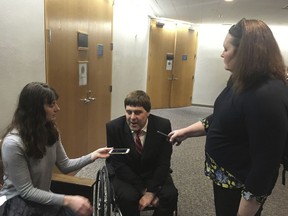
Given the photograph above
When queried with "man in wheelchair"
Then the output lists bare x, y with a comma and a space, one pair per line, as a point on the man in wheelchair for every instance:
141, 178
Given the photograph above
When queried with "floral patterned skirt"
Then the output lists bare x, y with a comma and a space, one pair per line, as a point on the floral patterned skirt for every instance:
219, 175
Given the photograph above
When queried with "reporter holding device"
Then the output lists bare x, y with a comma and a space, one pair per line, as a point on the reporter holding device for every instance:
119, 151
246, 134
31, 146
141, 177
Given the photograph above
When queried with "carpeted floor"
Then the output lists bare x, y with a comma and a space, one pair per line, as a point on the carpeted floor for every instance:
195, 190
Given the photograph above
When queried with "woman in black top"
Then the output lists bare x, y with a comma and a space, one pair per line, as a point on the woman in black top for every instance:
247, 131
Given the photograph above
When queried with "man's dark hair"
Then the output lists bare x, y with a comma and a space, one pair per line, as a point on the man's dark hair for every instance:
138, 98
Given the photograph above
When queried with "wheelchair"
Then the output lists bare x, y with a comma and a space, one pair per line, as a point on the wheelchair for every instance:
105, 203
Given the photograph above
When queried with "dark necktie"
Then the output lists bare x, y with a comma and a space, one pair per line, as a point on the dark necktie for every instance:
138, 144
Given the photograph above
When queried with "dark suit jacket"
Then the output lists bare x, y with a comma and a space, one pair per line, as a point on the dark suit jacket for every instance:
151, 170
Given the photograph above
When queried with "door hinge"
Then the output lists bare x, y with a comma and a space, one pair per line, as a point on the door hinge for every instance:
110, 88
49, 35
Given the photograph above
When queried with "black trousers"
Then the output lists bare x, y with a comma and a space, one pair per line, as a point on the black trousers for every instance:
227, 201
128, 197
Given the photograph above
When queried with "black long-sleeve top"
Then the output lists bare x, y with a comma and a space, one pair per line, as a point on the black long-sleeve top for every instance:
247, 133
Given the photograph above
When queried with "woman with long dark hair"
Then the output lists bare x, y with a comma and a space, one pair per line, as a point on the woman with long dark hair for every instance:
31, 146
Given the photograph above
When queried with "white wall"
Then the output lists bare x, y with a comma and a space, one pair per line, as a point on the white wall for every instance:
210, 76
281, 35
130, 51
22, 51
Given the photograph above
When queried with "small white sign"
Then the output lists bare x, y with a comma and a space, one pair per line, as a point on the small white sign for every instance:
82, 74
169, 64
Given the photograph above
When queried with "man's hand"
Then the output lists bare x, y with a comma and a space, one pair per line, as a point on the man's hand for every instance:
146, 200
155, 201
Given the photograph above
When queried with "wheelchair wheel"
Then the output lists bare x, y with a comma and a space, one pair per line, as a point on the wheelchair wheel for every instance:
103, 194
115, 209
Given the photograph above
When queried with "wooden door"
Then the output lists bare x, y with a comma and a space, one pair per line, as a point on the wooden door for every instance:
100, 76
159, 81
171, 88
81, 124
184, 67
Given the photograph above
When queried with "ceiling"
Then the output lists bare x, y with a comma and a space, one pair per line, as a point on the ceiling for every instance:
219, 11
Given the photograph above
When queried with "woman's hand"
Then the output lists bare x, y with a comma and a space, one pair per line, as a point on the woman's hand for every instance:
194, 130
177, 136
100, 153
248, 207
79, 205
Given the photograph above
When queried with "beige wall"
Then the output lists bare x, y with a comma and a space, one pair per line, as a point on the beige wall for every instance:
210, 76
22, 53
130, 54
22, 56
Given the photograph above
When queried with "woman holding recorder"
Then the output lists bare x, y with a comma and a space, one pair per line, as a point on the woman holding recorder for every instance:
31, 146
246, 134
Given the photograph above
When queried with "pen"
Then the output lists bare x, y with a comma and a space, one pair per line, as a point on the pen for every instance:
162, 134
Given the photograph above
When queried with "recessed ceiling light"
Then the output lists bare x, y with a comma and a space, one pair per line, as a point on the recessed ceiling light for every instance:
228, 0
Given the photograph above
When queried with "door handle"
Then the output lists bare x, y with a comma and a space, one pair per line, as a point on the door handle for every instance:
91, 98
85, 100
172, 78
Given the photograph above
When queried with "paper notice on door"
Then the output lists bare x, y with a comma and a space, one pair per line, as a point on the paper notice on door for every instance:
82, 74
169, 64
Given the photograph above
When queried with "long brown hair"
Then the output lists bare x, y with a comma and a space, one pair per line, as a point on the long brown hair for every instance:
257, 57
30, 119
